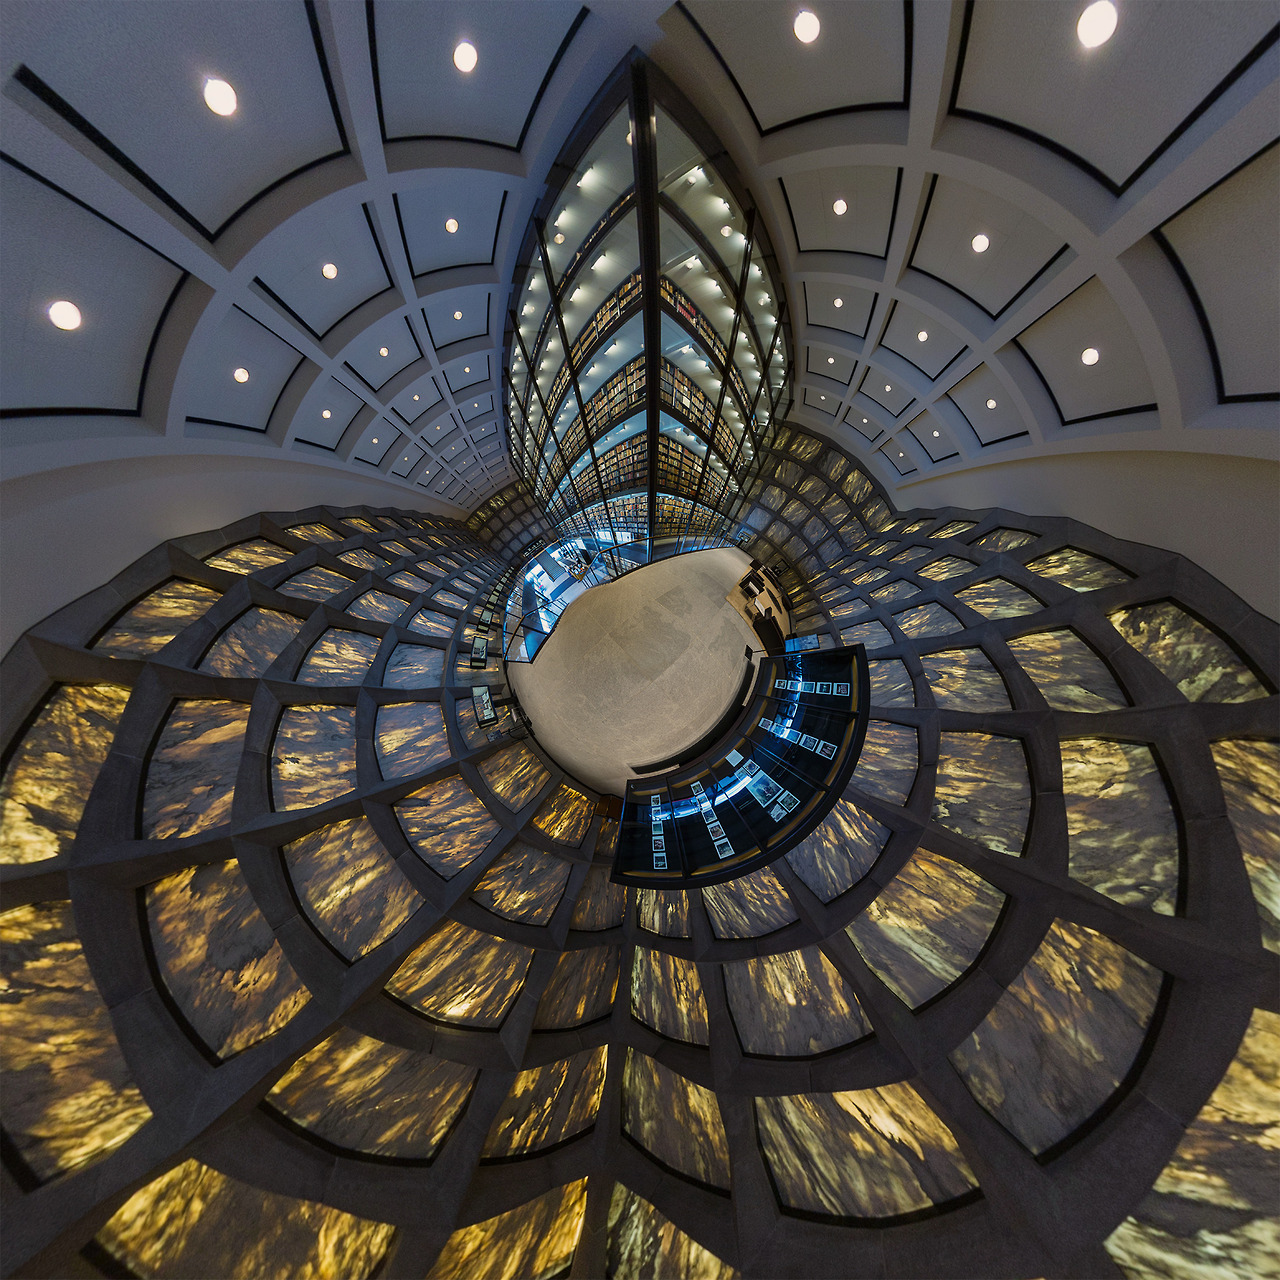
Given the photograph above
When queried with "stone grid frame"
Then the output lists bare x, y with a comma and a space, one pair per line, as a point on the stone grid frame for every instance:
1033, 1216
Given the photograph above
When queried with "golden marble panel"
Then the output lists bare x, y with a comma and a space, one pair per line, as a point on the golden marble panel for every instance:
1062, 1037
1203, 666
361, 559
1212, 1212
514, 774
411, 580
368, 1096
644, 1243
536, 1240
676, 1121
999, 598
69, 1098
871, 575
911, 553
338, 657
850, 609
414, 666
891, 684
1122, 834
565, 815
524, 884
926, 927
446, 825
984, 790
601, 904
159, 616
876, 514
927, 620
462, 977
359, 522
748, 907
53, 768
377, 606
317, 583
473, 733
248, 557
899, 590
350, 886
313, 758
663, 911
219, 958
954, 528
946, 567
191, 776
867, 1153
965, 680
548, 1104
315, 532
839, 852
1078, 570
1250, 775
857, 487
410, 738
666, 994
887, 767
427, 623
582, 988
194, 1221
871, 634
1067, 671
398, 547
792, 1005
449, 599
251, 643
1005, 539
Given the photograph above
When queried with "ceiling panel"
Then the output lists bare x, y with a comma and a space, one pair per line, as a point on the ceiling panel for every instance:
392, 334
476, 408
886, 389
456, 314
934, 436
898, 457
836, 306
465, 372
828, 363
988, 407
240, 341
931, 353
869, 193
417, 398
331, 397
375, 442
473, 200
824, 402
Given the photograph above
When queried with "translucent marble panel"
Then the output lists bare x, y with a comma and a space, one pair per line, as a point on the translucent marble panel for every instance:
414, 666
891, 684
315, 584
315, 532
582, 988
361, 559
871, 634
927, 620
248, 557
313, 758
450, 600
411, 580
1067, 671
601, 904
191, 776
525, 884
194, 1221
927, 926
410, 738
1212, 1212
887, 767
748, 907
69, 1098
895, 591
377, 606
1062, 1037
251, 643
368, 1096
537, 1239
1005, 539
954, 528
911, 554
965, 680
871, 575
564, 815
984, 790
338, 657
876, 514
446, 825
665, 912
53, 768
1120, 825
427, 623
219, 958
644, 1243
350, 886
676, 1121
849, 610
1203, 666
547, 1105
792, 1005
839, 852
946, 567
999, 598
666, 994
462, 977
359, 522
473, 733
151, 623
1250, 775
871, 1153
857, 487
514, 774
1078, 570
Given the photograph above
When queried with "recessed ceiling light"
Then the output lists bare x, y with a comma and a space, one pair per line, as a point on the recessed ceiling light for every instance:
841, 208
864, 422
451, 225
922, 336
806, 26
1089, 355
935, 435
726, 231
65, 315
466, 368
628, 137
241, 375
415, 397
887, 387
901, 455
980, 243
559, 237
329, 271
457, 315
1097, 24
822, 397
219, 97
465, 56
383, 351
375, 439
324, 413
839, 302
991, 404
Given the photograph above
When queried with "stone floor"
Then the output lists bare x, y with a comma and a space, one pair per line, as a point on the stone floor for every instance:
639, 668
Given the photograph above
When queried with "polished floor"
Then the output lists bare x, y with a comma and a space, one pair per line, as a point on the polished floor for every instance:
639, 668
